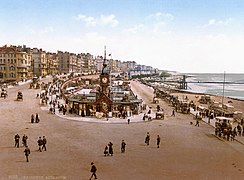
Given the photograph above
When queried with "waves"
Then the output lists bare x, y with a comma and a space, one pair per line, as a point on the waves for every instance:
230, 90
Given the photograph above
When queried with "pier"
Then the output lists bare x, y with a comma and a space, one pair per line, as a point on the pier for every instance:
183, 83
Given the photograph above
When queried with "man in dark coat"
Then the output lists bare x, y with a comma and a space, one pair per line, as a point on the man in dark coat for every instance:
110, 148
37, 118
40, 143
158, 141
24, 140
44, 142
32, 118
16, 138
93, 171
123, 144
27, 153
147, 139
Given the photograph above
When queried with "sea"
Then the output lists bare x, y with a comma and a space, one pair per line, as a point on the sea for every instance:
221, 89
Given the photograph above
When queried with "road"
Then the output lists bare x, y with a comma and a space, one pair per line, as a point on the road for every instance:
186, 151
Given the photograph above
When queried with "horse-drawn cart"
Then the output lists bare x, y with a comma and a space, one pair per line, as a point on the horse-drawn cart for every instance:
19, 96
4, 93
223, 126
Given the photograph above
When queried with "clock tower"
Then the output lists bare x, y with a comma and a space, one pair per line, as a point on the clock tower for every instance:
103, 101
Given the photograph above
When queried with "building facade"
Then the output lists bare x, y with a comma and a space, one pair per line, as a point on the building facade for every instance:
15, 64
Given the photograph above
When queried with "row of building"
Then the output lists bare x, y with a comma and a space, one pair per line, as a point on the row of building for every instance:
19, 63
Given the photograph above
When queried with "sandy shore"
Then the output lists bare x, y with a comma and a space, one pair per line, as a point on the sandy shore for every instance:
236, 103
186, 151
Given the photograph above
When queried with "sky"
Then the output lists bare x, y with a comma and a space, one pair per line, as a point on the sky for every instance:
187, 36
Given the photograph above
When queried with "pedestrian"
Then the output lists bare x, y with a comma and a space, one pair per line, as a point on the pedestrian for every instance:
93, 171
40, 143
144, 117
173, 113
64, 110
123, 144
239, 129
44, 142
147, 139
27, 153
232, 136
24, 140
32, 118
16, 138
158, 141
197, 122
37, 118
110, 148
106, 151
128, 121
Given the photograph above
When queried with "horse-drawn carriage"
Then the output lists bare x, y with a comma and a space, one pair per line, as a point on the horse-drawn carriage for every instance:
159, 115
223, 126
4, 93
19, 96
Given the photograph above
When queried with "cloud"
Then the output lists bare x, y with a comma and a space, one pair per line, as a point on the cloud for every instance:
158, 21
153, 23
103, 20
215, 22
135, 29
109, 20
90, 21
45, 30
160, 17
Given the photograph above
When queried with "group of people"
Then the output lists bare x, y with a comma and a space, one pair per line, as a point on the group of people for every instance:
35, 118
108, 150
52, 105
17, 138
41, 143
147, 140
24, 142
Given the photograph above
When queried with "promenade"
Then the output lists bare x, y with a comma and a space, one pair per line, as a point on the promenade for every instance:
186, 151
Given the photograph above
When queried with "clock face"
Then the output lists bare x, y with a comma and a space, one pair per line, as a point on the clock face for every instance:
104, 80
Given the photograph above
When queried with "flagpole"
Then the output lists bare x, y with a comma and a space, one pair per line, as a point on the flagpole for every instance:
223, 91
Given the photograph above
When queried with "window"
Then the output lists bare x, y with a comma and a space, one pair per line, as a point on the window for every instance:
11, 68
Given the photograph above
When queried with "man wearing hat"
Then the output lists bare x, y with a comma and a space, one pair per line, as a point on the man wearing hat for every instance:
27, 153
93, 171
